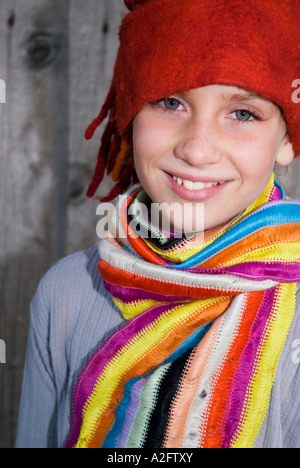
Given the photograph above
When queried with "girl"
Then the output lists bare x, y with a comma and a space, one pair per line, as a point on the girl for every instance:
155, 340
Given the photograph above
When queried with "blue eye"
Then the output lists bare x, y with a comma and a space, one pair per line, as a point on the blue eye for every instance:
171, 103
243, 115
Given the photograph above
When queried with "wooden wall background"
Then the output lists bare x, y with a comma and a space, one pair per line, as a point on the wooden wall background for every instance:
56, 57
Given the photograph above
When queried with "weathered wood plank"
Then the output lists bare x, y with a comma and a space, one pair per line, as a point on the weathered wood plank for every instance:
289, 178
56, 57
33, 189
93, 43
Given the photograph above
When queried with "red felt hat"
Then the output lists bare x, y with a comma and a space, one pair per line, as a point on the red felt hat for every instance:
171, 46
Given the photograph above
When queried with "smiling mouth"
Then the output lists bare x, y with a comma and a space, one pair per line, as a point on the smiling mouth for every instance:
190, 185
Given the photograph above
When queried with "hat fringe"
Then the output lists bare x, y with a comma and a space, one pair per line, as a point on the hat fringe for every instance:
109, 104
127, 178
112, 155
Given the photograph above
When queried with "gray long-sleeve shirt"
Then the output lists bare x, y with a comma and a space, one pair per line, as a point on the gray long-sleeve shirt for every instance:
71, 316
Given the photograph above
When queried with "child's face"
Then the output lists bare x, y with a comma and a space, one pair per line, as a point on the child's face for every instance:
204, 136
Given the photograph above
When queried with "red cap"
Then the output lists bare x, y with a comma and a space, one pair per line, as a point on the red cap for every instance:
171, 46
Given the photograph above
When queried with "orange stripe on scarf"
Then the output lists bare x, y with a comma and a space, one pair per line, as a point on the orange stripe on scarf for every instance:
133, 280
213, 434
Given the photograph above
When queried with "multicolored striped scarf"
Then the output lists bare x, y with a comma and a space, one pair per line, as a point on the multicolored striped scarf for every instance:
195, 363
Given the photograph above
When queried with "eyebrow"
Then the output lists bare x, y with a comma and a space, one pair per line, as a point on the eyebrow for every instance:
240, 96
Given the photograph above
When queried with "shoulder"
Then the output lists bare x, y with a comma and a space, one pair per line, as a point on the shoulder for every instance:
290, 382
67, 274
294, 334
72, 283
71, 309
71, 316
63, 285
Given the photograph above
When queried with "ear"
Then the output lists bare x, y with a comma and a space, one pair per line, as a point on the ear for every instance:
286, 152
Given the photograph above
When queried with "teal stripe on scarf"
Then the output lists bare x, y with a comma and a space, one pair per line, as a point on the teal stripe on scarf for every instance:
267, 215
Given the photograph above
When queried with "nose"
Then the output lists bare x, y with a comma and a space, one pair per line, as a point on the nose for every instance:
198, 145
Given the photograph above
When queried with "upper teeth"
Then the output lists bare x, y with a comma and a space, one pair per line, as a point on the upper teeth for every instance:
195, 185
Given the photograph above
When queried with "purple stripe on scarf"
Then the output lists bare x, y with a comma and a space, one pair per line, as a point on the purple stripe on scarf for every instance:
259, 271
275, 194
263, 270
130, 294
98, 361
131, 413
246, 369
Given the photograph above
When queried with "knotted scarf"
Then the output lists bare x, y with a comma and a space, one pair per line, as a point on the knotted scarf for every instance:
195, 363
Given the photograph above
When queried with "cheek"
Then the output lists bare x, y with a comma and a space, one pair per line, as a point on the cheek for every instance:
257, 157
142, 139
150, 140
143, 142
